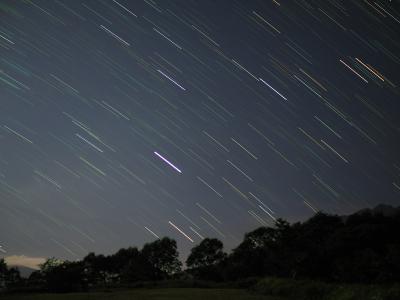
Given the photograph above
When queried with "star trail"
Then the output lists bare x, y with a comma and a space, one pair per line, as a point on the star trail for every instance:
125, 121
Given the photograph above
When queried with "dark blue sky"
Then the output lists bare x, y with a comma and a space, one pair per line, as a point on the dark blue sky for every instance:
121, 121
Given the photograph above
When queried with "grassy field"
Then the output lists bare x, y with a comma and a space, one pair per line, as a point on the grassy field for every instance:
150, 294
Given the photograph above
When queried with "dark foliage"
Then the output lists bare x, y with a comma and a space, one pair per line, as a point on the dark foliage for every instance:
205, 260
161, 257
156, 261
9, 277
362, 248
63, 276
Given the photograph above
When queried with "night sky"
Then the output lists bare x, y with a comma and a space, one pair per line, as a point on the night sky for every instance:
124, 121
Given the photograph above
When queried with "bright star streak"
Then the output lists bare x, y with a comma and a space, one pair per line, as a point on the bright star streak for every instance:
170, 79
167, 161
152, 232
283, 97
184, 234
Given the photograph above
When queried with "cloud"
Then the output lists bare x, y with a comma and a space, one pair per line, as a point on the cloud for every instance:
24, 261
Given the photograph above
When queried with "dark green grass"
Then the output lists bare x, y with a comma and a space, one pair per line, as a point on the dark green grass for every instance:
150, 294
315, 290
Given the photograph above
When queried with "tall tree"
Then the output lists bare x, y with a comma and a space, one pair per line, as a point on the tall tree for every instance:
255, 256
13, 278
161, 257
3, 272
128, 263
9, 277
205, 259
97, 268
65, 277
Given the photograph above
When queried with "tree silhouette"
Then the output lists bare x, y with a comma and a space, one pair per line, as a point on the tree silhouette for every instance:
3, 272
129, 264
13, 278
120, 259
36, 280
161, 258
205, 259
63, 276
9, 277
361, 248
255, 256
97, 269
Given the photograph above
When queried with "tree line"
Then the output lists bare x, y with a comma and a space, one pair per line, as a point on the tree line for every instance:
361, 248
